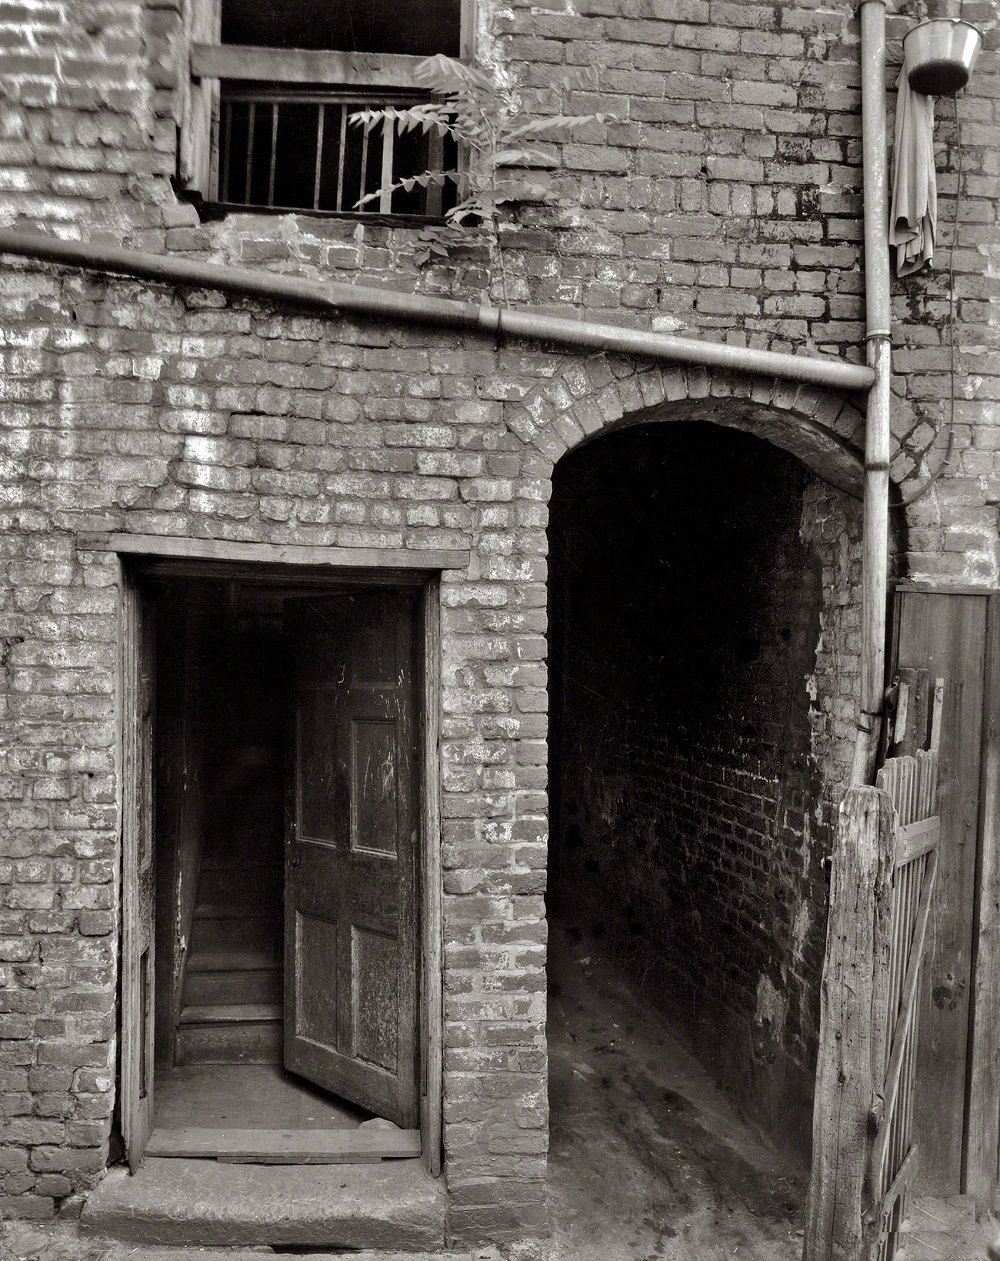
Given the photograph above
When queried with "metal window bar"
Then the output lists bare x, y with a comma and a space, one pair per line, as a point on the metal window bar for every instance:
320, 134
338, 171
251, 121
340, 165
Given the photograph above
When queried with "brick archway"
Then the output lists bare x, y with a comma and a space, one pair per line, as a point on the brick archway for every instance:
823, 428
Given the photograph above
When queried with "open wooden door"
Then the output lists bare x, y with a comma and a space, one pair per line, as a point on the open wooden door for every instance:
350, 886
138, 904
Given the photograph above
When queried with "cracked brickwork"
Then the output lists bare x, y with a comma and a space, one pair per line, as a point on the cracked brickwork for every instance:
724, 199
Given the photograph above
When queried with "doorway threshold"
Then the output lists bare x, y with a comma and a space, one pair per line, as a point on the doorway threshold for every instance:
259, 1114
392, 1205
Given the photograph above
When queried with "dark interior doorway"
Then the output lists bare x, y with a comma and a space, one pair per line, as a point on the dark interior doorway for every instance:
224, 672
701, 586
284, 774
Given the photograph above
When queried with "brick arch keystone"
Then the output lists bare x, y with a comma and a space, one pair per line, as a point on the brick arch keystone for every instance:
822, 427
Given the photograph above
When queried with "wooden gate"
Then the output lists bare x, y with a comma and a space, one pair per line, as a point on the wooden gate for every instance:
882, 881
911, 783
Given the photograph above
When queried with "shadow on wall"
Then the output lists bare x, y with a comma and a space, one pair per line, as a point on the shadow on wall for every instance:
703, 599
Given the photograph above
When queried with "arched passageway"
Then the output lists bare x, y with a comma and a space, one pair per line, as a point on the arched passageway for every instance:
703, 637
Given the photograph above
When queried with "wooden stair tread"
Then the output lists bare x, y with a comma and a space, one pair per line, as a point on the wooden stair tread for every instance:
245, 960
238, 869
285, 1147
233, 911
232, 1013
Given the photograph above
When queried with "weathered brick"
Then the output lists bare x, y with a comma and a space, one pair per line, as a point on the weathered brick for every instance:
723, 199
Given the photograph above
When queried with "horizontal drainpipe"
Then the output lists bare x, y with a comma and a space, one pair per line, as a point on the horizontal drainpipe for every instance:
443, 312
875, 559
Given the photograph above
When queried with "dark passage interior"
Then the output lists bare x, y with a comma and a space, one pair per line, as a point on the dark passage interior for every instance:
703, 591
223, 706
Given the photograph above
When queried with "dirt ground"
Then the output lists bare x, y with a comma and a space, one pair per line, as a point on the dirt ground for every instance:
648, 1160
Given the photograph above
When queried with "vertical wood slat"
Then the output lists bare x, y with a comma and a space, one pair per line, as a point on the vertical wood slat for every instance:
853, 1025
945, 633
982, 1132
937, 715
198, 138
212, 90
432, 946
138, 896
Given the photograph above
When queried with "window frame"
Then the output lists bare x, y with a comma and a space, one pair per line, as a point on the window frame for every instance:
210, 63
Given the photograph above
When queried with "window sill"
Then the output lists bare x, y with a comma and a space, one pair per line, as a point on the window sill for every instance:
214, 211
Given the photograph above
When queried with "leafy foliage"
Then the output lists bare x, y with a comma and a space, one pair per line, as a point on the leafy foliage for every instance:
483, 118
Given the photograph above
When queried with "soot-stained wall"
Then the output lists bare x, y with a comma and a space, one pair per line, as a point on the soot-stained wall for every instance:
704, 606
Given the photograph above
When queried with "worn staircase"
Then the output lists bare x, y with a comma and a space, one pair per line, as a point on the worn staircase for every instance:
937, 1229
231, 1001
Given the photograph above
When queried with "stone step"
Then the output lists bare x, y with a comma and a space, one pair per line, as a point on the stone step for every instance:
391, 1205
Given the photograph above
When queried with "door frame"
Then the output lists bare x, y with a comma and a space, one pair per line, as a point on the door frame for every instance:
321, 567
136, 681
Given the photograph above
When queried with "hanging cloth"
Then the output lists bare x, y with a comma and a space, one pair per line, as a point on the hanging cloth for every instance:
913, 216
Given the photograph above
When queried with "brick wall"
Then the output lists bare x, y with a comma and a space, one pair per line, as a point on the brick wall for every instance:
724, 199
699, 737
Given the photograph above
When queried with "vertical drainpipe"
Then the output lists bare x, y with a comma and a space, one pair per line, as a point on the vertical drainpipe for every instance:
874, 579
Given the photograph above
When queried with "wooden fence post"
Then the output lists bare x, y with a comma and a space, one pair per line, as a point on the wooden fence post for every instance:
853, 1032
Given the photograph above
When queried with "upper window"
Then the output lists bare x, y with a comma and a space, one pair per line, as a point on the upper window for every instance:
274, 86
419, 28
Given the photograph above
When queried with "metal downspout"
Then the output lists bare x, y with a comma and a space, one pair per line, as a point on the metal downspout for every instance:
875, 562
443, 312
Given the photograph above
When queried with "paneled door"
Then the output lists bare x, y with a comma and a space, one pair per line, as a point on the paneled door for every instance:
350, 866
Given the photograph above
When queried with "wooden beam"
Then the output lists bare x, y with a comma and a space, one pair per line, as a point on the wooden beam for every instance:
982, 1128
914, 839
285, 1147
432, 1032
299, 65
900, 1183
853, 1025
943, 588
276, 553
